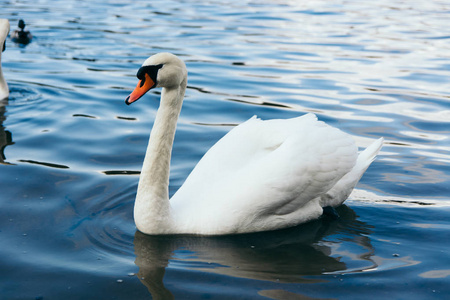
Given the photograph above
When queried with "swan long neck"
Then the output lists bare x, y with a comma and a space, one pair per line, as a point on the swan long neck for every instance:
4, 30
152, 208
4, 91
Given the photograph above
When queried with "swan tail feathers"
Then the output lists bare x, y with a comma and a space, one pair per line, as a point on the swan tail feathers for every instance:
370, 153
342, 189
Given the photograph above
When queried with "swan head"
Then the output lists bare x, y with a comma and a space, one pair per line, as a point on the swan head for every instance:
160, 70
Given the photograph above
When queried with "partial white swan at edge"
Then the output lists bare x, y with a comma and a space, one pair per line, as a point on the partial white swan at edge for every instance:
4, 30
262, 175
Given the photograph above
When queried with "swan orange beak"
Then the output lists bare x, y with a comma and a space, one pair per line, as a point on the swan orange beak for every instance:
143, 86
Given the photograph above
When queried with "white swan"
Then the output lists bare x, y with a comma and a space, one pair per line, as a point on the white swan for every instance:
263, 175
4, 30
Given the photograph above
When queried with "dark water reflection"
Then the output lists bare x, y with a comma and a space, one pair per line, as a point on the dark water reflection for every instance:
5, 135
286, 256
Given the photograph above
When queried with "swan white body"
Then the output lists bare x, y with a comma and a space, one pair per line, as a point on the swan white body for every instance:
4, 30
263, 175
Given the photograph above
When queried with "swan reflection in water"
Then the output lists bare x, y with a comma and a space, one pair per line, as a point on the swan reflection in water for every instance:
286, 256
5, 135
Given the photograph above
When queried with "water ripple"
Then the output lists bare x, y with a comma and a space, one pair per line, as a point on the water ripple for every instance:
71, 150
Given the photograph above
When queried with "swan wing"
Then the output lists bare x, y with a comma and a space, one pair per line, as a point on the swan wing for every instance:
265, 175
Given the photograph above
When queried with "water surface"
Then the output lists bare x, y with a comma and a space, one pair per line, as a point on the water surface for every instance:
71, 150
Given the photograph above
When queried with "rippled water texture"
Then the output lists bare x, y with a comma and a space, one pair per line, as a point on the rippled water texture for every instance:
71, 149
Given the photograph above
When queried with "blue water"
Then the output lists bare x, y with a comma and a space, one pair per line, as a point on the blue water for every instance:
71, 149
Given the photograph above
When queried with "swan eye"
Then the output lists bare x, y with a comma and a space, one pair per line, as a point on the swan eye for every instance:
4, 46
152, 72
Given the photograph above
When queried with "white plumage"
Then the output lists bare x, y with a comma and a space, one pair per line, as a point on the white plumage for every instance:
4, 30
262, 175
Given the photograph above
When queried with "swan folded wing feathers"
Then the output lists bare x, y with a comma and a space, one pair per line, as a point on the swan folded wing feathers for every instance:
281, 182
248, 145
